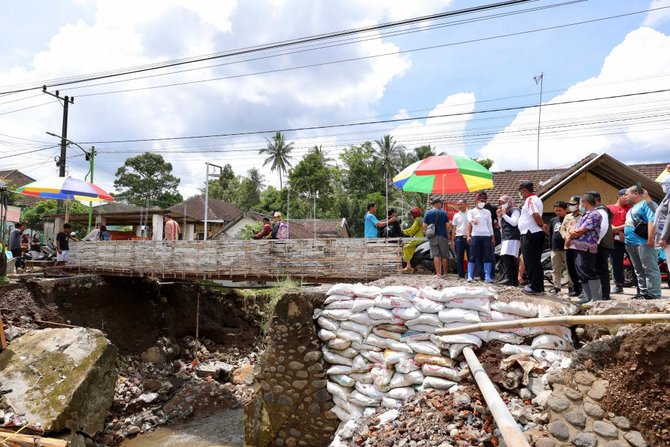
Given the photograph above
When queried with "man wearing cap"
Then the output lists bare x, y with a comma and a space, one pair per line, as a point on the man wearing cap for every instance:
569, 224
372, 224
439, 244
171, 228
276, 226
532, 238
618, 210
605, 245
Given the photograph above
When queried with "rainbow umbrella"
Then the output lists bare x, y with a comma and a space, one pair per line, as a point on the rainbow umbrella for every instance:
442, 174
663, 177
66, 188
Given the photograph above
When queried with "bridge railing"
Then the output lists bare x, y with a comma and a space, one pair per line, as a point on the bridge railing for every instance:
307, 259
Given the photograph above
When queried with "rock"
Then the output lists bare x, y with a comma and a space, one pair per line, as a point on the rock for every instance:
76, 373
147, 398
558, 403
605, 429
621, 422
546, 442
616, 444
525, 394
598, 389
133, 430
348, 429
535, 385
542, 399
584, 378
243, 375
154, 355
635, 439
573, 394
217, 370
585, 440
559, 430
594, 410
576, 418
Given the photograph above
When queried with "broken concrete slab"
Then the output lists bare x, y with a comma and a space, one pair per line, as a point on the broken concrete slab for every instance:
61, 379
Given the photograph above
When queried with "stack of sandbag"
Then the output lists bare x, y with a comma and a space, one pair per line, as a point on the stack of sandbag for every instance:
383, 348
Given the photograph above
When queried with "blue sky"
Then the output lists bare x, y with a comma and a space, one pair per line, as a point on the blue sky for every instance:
44, 40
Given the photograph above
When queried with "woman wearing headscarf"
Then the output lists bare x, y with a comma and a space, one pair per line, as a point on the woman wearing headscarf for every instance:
661, 221
508, 217
415, 230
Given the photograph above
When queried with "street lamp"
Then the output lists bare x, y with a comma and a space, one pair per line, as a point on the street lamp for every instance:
90, 157
539, 79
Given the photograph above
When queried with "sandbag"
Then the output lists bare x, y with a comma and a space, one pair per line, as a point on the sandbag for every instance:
466, 292
422, 359
426, 328
360, 364
387, 334
456, 349
364, 347
392, 357
393, 327
390, 302
413, 335
361, 399
458, 316
377, 313
340, 304
373, 356
481, 304
325, 334
362, 329
342, 289
341, 413
401, 394
425, 319
349, 335
370, 391
437, 383
333, 298
509, 349
327, 323
424, 347
443, 341
366, 291
335, 359
405, 292
381, 376
388, 402
400, 380
338, 344
343, 380
494, 316
375, 340
361, 304
549, 355
505, 337
365, 377
554, 342
521, 308
338, 370
407, 366
337, 314
399, 346
406, 313
338, 390
431, 294
427, 305
441, 371
362, 318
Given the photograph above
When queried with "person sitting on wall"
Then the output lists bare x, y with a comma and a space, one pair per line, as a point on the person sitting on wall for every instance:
415, 231
265, 231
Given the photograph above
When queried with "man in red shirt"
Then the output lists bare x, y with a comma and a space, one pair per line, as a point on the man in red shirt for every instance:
171, 228
265, 231
619, 210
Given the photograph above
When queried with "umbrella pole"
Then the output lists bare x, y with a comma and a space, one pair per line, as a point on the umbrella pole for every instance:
386, 184
67, 211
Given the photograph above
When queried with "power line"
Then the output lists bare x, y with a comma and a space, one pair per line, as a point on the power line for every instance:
271, 46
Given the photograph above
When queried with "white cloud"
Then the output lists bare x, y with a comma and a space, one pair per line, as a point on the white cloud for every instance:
630, 129
655, 18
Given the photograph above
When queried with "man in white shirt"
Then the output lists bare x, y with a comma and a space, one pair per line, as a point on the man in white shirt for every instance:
459, 237
531, 228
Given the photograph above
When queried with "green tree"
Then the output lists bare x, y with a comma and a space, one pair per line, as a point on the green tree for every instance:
486, 162
405, 158
423, 152
36, 214
387, 153
279, 154
147, 180
250, 189
271, 200
226, 187
361, 170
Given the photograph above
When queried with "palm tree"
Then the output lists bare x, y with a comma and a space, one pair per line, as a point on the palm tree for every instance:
257, 179
423, 152
279, 155
406, 158
318, 150
388, 153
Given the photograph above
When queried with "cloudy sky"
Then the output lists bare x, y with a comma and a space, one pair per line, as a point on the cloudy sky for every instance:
462, 84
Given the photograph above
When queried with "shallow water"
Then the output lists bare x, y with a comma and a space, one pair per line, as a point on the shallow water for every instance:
224, 429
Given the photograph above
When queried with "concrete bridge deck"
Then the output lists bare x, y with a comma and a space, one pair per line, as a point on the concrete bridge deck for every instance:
317, 260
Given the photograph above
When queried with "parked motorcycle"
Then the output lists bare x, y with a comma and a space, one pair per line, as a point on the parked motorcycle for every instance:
422, 258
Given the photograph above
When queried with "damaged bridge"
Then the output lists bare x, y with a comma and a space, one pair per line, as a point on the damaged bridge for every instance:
319, 260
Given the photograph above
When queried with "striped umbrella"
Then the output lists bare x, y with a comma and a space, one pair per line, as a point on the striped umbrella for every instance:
66, 188
442, 174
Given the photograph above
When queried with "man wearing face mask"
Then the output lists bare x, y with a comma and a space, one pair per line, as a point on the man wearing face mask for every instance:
569, 224
459, 237
481, 240
532, 238
605, 245
508, 217
494, 218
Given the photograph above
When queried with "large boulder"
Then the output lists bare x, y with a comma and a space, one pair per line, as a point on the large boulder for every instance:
61, 379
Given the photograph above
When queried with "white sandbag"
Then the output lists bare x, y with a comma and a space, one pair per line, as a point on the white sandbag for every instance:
337, 314
365, 377
361, 304
341, 414
481, 304
338, 370
349, 335
333, 298
340, 304
466, 292
425, 319
327, 323
401, 394
437, 383
341, 289
388, 402
360, 364
399, 346
386, 334
355, 411
521, 308
349, 352
511, 349
392, 357
456, 349
424, 347
438, 360
381, 376
425, 328
369, 411
362, 329
366, 291
375, 340
377, 313
338, 390
370, 391
431, 294
539, 330
373, 356
407, 366
335, 359
549, 355
427, 305
362, 318
393, 327
361, 399
325, 334
494, 316
406, 313
405, 292
414, 336
554, 342
343, 380
458, 316
404, 380
390, 302
443, 341
360, 347
504, 337
441, 371
338, 344
547, 310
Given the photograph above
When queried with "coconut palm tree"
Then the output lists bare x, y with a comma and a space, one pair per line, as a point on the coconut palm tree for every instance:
257, 179
278, 152
423, 152
387, 154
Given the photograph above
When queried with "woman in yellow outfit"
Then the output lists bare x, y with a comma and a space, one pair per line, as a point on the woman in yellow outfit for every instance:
416, 230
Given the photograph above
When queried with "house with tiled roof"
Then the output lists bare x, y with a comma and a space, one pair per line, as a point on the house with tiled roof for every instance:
298, 228
16, 179
601, 173
191, 213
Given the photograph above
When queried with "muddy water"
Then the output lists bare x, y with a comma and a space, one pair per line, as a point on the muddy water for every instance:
225, 429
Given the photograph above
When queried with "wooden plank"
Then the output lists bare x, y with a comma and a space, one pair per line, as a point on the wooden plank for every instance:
3, 340
19, 440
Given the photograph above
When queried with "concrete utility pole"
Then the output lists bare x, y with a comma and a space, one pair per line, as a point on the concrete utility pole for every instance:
539, 80
63, 142
207, 177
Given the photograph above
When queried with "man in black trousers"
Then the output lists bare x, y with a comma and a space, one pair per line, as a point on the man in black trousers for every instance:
532, 231
605, 245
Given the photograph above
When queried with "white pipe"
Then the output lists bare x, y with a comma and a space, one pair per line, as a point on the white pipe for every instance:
506, 424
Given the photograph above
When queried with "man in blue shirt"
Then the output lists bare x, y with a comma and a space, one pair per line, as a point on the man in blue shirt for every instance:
640, 248
439, 244
372, 223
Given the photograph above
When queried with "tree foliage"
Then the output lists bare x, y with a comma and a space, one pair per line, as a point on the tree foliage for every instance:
279, 155
36, 214
486, 162
147, 180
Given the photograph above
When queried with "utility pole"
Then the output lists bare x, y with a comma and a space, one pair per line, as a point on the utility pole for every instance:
67, 100
539, 80
207, 164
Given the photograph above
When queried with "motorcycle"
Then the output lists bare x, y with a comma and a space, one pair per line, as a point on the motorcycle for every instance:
423, 259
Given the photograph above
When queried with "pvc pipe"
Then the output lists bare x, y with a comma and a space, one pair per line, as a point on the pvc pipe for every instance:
567, 320
509, 429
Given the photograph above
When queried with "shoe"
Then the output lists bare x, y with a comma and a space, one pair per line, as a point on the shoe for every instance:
574, 293
504, 282
488, 271
617, 289
528, 291
556, 289
471, 271
586, 297
640, 296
